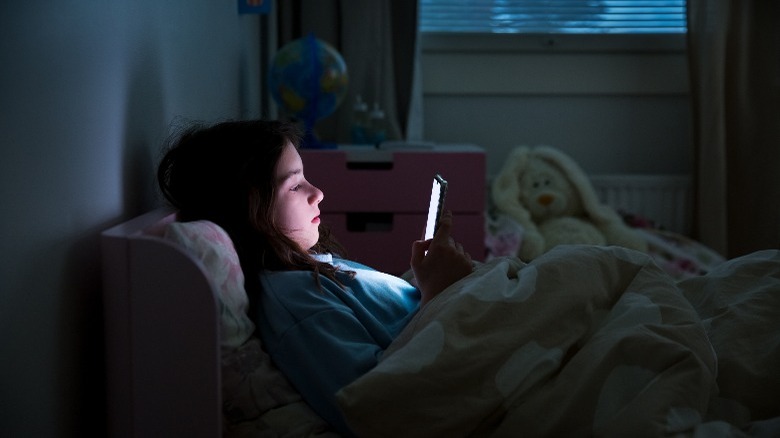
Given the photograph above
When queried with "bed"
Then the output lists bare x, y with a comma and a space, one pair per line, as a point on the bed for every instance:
181, 358
585, 340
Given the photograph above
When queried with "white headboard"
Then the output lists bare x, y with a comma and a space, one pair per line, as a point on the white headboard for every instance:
162, 340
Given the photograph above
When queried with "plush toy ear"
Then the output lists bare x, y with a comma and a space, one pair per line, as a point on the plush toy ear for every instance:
596, 211
506, 185
506, 191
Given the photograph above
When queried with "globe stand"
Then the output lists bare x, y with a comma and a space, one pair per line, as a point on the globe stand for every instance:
310, 140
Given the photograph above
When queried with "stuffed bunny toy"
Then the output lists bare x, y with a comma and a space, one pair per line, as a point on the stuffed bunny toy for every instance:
548, 194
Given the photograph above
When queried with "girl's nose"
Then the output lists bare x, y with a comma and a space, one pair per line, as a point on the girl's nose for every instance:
318, 195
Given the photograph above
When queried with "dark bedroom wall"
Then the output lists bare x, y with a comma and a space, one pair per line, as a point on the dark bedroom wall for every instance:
88, 91
612, 110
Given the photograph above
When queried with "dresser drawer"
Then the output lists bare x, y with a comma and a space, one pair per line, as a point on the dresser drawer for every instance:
396, 181
384, 241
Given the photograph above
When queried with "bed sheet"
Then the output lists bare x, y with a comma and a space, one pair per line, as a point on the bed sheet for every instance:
680, 256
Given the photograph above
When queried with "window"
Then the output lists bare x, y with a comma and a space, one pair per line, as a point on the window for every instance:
553, 16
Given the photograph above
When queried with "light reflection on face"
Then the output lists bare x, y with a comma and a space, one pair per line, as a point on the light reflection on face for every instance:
296, 201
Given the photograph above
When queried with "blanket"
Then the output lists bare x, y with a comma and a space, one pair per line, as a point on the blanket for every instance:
583, 341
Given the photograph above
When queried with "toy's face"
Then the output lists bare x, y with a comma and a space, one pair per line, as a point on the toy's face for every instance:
546, 192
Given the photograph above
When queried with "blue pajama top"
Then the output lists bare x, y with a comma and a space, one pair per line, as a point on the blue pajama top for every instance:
322, 339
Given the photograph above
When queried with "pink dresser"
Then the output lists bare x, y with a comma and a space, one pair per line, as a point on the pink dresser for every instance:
376, 200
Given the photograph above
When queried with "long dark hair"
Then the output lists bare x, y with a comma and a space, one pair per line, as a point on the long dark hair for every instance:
225, 174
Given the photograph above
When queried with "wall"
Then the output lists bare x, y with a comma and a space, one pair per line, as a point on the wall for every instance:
88, 91
616, 105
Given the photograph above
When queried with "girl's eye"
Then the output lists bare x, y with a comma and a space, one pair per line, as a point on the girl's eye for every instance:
295, 188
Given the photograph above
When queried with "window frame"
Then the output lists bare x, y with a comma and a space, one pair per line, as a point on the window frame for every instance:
552, 43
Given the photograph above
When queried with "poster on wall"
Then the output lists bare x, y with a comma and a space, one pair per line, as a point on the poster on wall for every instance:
254, 6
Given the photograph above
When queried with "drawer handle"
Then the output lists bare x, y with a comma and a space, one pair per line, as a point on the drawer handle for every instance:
369, 165
369, 222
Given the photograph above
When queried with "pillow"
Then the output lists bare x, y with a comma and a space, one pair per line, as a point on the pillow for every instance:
256, 397
209, 243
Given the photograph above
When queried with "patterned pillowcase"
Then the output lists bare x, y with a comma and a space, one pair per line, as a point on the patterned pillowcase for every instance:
213, 247
256, 397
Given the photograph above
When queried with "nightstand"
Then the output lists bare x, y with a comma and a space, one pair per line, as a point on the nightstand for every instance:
376, 200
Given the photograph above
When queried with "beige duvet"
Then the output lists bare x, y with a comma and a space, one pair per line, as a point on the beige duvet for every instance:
583, 341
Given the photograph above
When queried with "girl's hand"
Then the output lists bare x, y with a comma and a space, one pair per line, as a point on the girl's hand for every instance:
444, 264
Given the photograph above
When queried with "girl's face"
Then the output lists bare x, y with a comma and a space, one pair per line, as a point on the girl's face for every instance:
296, 201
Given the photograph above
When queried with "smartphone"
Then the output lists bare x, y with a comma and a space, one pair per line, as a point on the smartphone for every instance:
438, 191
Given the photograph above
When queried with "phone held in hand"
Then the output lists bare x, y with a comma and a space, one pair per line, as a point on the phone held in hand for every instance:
438, 192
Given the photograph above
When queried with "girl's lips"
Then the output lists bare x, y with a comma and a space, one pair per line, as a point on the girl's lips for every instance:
316, 220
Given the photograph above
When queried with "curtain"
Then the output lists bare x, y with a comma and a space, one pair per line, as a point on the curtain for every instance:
378, 41
734, 60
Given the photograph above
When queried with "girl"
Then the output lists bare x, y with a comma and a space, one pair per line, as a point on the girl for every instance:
324, 320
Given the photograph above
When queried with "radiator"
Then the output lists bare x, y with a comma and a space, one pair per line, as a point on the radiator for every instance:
667, 200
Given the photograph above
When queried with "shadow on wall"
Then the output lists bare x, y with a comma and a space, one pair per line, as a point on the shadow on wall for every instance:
81, 321
145, 127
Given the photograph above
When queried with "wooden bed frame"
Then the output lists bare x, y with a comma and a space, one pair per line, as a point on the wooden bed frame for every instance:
162, 334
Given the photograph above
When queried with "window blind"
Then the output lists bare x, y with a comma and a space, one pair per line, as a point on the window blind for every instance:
553, 16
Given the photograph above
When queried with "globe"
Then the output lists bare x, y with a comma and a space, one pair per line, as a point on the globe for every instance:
308, 79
